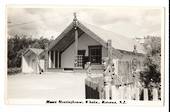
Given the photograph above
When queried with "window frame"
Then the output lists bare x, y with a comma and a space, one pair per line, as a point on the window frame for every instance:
97, 55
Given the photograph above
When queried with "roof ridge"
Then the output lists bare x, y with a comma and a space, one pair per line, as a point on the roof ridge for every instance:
103, 35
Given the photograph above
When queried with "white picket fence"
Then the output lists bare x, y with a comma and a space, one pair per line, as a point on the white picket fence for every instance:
129, 93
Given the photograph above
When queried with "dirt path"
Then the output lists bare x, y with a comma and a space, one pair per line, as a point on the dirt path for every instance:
46, 86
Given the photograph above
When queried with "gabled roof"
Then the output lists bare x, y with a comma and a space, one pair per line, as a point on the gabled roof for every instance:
36, 51
119, 42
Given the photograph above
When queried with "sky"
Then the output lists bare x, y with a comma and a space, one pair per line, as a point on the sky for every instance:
50, 22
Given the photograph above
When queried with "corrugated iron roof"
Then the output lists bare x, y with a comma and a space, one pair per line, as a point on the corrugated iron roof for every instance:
119, 42
34, 50
37, 51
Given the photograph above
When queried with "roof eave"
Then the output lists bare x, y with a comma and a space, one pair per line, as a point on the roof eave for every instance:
92, 34
131, 52
66, 30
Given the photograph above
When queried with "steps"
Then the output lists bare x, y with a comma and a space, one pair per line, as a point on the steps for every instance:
54, 70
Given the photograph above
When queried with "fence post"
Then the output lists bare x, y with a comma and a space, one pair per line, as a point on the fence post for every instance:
108, 72
107, 92
114, 93
137, 94
121, 92
128, 92
155, 94
100, 88
124, 92
109, 42
145, 94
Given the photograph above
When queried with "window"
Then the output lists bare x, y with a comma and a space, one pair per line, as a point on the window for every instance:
79, 60
95, 54
81, 54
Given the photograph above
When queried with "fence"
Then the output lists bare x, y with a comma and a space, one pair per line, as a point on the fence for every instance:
96, 90
120, 82
131, 93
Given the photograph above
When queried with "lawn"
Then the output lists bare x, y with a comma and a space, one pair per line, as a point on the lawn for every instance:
46, 86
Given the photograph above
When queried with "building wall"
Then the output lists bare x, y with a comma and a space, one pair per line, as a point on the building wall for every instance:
42, 64
67, 57
27, 64
30, 64
130, 57
127, 57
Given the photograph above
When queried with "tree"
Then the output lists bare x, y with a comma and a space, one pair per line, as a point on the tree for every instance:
18, 44
151, 76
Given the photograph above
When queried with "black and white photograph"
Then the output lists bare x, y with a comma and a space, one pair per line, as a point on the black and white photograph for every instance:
85, 55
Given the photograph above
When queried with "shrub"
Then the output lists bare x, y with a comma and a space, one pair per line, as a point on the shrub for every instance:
13, 71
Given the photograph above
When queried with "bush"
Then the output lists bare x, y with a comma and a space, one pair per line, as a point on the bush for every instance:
151, 75
13, 71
